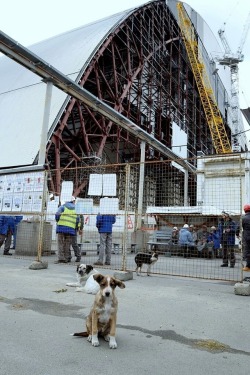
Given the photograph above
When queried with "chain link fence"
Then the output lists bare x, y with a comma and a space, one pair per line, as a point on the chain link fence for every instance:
149, 199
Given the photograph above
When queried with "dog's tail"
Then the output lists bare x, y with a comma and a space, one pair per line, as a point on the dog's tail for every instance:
80, 334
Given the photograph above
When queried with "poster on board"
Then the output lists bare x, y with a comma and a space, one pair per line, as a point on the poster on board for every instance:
109, 206
102, 185
95, 185
7, 202
84, 206
66, 191
17, 202
21, 192
29, 182
109, 185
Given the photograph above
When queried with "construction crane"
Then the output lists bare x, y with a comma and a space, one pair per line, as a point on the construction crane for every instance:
214, 119
232, 60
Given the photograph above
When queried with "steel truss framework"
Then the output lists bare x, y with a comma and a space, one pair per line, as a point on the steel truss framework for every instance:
142, 71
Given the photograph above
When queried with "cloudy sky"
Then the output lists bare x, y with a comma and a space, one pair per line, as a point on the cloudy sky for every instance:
29, 21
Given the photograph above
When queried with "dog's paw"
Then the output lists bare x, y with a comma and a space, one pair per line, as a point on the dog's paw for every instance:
89, 338
112, 343
106, 338
95, 343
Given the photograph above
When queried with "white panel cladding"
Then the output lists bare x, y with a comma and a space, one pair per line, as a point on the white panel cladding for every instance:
22, 93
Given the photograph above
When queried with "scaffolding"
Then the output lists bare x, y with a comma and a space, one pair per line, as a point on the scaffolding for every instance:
141, 72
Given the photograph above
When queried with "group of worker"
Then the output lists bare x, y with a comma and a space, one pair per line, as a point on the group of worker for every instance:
217, 240
69, 224
205, 242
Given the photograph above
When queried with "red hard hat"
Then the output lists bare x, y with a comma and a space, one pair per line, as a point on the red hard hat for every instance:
246, 207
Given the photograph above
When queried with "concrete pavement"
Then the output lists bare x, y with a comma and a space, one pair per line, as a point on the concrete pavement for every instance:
166, 325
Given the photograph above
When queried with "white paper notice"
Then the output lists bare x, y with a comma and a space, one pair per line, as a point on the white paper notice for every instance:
109, 206
7, 202
109, 185
19, 183
17, 202
27, 201
95, 184
67, 191
102, 185
29, 182
52, 207
84, 206
37, 201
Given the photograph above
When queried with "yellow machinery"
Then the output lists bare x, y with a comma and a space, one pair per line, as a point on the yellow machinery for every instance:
214, 119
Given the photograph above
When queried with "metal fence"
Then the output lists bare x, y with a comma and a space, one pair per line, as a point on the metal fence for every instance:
153, 197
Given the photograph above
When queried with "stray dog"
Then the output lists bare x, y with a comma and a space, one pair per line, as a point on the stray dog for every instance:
85, 282
102, 317
146, 258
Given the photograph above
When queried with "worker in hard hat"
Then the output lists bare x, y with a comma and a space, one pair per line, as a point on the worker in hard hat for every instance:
175, 235
246, 236
67, 221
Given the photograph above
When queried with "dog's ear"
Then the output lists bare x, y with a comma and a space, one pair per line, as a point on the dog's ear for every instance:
77, 268
98, 277
119, 283
89, 268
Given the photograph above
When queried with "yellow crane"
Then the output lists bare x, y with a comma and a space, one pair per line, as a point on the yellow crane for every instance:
214, 119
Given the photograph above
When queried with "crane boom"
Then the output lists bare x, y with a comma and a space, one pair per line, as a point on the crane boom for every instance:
215, 122
244, 35
224, 41
232, 60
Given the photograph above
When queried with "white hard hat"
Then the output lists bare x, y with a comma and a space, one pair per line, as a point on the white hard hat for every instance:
185, 226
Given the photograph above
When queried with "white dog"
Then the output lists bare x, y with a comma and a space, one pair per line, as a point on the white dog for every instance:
85, 281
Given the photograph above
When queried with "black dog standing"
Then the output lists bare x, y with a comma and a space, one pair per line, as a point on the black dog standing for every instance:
145, 258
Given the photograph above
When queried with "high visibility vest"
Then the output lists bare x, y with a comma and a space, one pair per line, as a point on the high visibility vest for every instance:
68, 218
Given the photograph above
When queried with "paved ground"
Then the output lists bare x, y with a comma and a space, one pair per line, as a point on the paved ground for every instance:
165, 325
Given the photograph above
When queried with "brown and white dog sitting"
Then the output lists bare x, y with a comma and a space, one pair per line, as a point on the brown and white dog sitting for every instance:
85, 281
145, 258
101, 320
